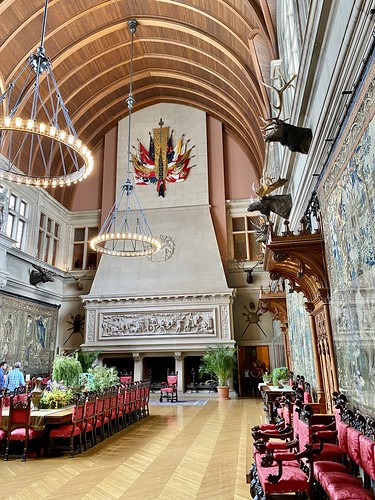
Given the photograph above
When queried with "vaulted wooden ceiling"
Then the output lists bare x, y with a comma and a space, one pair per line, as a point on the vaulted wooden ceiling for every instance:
209, 54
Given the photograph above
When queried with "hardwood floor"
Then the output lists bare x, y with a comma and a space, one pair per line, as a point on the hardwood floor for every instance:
177, 453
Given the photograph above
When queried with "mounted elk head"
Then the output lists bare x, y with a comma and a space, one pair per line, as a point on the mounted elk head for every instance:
297, 139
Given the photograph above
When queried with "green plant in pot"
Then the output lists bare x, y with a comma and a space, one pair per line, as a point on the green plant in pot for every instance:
219, 362
279, 374
68, 370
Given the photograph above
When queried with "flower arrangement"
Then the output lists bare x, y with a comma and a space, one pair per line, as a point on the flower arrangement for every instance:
56, 397
280, 373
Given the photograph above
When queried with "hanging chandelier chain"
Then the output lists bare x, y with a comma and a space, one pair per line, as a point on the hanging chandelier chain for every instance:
127, 235
132, 25
44, 24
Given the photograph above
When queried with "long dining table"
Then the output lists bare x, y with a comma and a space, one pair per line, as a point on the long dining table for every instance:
41, 418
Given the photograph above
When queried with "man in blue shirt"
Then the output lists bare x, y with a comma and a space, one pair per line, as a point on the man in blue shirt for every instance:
3, 367
15, 378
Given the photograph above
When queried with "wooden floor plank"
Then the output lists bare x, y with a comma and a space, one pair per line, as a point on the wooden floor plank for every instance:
178, 453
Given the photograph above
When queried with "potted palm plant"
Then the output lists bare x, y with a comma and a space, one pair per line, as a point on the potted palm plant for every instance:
219, 362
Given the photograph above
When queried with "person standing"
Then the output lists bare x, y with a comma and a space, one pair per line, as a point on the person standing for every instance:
247, 381
3, 367
254, 374
15, 378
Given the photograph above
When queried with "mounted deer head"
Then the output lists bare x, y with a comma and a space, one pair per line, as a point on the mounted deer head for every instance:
297, 139
249, 277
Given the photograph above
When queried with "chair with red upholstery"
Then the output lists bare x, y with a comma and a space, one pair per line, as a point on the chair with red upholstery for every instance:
90, 420
3, 433
126, 379
128, 404
168, 389
121, 407
101, 420
145, 398
19, 428
73, 429
113, 412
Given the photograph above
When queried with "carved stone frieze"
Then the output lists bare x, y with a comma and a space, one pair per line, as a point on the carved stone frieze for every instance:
157, 323
156, 301
225, 325
90, 326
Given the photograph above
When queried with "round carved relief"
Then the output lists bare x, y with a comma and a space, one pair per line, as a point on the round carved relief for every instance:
166, 251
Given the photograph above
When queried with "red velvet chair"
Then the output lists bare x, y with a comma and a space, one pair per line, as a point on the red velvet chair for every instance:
121, 407
113, 410
90, 420
19, 425
126, 379
100, 417
73, 429
3, 434
145, 398
168, 389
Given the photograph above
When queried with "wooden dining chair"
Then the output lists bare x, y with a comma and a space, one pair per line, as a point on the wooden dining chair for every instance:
168, 389
100, 419
121, 407
19, 428
72, 429
3, 433
90, 419
113, 413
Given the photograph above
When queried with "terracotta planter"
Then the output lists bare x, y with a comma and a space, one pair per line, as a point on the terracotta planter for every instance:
223, 391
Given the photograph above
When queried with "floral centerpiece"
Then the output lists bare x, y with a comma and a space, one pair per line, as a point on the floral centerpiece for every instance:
56, 396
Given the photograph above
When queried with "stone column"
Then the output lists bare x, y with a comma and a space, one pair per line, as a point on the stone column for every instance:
138, 367
180, 370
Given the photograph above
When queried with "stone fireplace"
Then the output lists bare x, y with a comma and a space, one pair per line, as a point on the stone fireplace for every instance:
176, 302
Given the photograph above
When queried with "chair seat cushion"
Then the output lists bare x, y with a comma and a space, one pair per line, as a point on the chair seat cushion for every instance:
322, 467
89, 427
168, 389
337, 479
64, 431
346, 491
3, 434
292, 480
20, 434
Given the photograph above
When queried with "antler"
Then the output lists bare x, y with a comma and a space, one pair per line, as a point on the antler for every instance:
279, 106
267, 185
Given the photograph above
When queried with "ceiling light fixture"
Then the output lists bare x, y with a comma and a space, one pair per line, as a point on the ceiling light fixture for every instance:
38, 143
127, 233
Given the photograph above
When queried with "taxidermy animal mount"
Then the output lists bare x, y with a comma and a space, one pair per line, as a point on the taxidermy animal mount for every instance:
40, 275
279, 204
297, 139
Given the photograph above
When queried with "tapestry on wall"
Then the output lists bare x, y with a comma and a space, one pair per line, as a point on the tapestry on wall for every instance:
27, 334
300, 338
348, 205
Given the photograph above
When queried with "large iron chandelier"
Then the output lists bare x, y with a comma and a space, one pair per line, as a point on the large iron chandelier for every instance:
38, 143
127, 233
